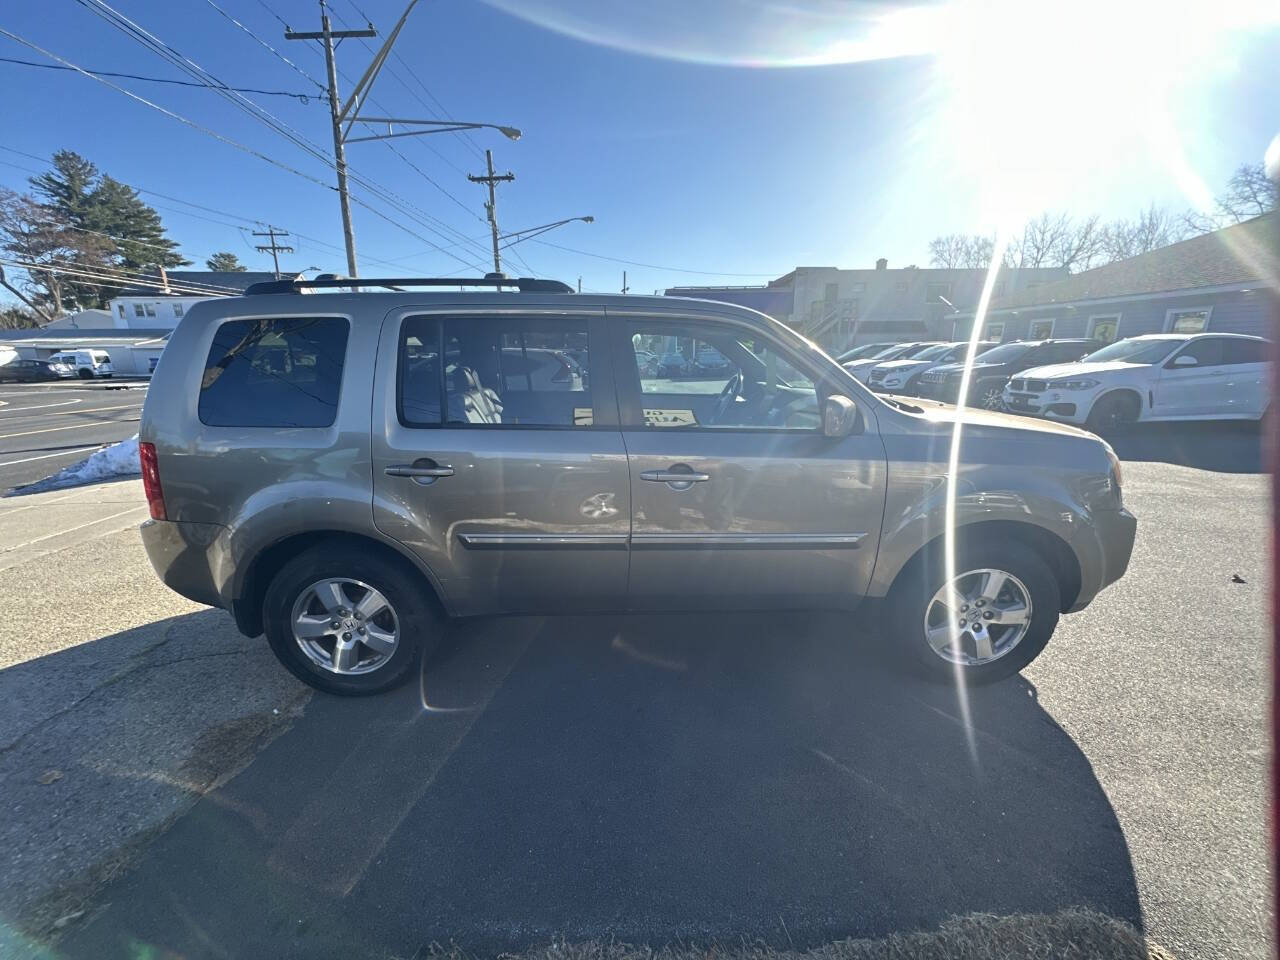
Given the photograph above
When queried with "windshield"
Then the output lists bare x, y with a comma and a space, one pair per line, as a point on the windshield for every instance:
1135, 351
1005, 354
932, 353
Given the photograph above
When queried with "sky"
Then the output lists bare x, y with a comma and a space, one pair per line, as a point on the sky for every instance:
725, 145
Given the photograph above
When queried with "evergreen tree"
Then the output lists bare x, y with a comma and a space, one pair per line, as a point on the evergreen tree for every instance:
226, 262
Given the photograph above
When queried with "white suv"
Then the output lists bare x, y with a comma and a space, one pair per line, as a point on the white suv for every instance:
1203, 376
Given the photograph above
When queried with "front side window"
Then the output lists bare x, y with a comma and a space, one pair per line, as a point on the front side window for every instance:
1134, 351
719, 379
1207, 352
1188, 321
274, 372
522, 372
1244, 350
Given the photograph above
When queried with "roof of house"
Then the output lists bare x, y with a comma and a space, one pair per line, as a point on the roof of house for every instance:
229, 282
1244, 253
70, 339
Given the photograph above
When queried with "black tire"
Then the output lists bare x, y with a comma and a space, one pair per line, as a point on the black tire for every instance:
85, 374
419, 622
989, 395
913, 593
1114, 411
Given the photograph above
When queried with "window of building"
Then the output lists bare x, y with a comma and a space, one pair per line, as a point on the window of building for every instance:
518, 372
1040, 329
831, 292
901, 286
177, 310
1104, 329
994, 331
138, 311
731, 382
120, 309
858, 287
151, 309
279, 372
1187, 321
934, 292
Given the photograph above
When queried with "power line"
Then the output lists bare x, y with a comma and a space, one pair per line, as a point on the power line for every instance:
255, 110
654, 266
304, 97
274, 51
106, 278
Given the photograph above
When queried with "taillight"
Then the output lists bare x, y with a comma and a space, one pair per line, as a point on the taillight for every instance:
151, 480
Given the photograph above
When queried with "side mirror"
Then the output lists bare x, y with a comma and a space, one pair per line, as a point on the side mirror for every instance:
1186, 361
839, 416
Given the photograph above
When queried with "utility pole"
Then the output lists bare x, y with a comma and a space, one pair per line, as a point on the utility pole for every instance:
327, 35
579, 283
625, 288
275, 248
492, 180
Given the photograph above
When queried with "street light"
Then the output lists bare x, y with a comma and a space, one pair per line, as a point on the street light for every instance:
516, 236
434, 126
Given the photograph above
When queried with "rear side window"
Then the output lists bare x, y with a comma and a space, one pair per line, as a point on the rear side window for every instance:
518, 372
1244, 351
276, 372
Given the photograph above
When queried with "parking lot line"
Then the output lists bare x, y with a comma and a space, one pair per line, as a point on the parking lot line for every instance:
43, 406
74, 426
79, 526
46, 456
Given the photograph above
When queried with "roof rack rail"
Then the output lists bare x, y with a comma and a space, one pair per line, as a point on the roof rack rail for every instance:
330, 281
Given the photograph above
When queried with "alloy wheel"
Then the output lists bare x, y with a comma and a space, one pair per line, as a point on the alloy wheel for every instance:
978, 617
345, 626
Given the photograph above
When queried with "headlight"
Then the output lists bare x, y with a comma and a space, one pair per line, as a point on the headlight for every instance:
1082, 384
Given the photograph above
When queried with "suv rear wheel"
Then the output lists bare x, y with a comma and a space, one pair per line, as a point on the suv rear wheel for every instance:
988, 622
348, 621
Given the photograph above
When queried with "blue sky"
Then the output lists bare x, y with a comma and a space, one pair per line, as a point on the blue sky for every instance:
684, 164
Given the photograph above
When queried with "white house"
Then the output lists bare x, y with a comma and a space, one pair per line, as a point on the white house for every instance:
167, 296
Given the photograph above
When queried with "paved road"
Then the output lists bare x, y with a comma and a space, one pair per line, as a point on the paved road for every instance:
44, 428
647, 778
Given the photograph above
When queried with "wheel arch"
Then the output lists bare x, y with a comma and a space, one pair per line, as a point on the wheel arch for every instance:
247, 604
1055, 551
1117, 392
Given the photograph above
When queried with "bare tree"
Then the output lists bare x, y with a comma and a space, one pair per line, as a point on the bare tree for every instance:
960, 251
45, 247
1056, 240
1249, 193
1152, 229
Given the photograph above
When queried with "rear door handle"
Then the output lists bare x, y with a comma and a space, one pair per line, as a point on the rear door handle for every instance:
675, 479
419, 474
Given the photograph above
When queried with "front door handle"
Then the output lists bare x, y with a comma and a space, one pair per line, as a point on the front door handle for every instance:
420, 471
674, 476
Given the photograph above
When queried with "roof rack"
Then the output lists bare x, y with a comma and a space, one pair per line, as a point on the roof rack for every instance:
330, 281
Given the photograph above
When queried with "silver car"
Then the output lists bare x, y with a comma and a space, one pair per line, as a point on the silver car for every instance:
344, 470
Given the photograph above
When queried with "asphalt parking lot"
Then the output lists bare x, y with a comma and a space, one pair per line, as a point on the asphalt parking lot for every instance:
654, 778
44, 427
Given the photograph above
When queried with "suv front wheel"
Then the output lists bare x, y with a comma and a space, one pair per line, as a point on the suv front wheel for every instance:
348, 621
986, 622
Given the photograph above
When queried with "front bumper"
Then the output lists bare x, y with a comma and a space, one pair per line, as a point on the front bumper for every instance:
1104, 552
1060, 405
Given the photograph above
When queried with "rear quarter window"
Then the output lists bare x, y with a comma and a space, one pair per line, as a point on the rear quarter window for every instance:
274, 372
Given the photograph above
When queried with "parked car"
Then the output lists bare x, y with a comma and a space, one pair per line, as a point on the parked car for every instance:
299, 473
647, 363
861, 369
1204, 376
988, 377
866, 350
710, 360
903, 376
28, 371
673, 364
87, 364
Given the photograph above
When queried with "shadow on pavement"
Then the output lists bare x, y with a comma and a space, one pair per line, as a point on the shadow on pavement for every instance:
1228, 446
645, 779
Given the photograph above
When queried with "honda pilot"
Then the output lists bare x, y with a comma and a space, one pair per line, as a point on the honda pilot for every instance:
343, 468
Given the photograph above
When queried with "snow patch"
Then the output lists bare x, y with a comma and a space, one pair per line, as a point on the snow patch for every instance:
108, 463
